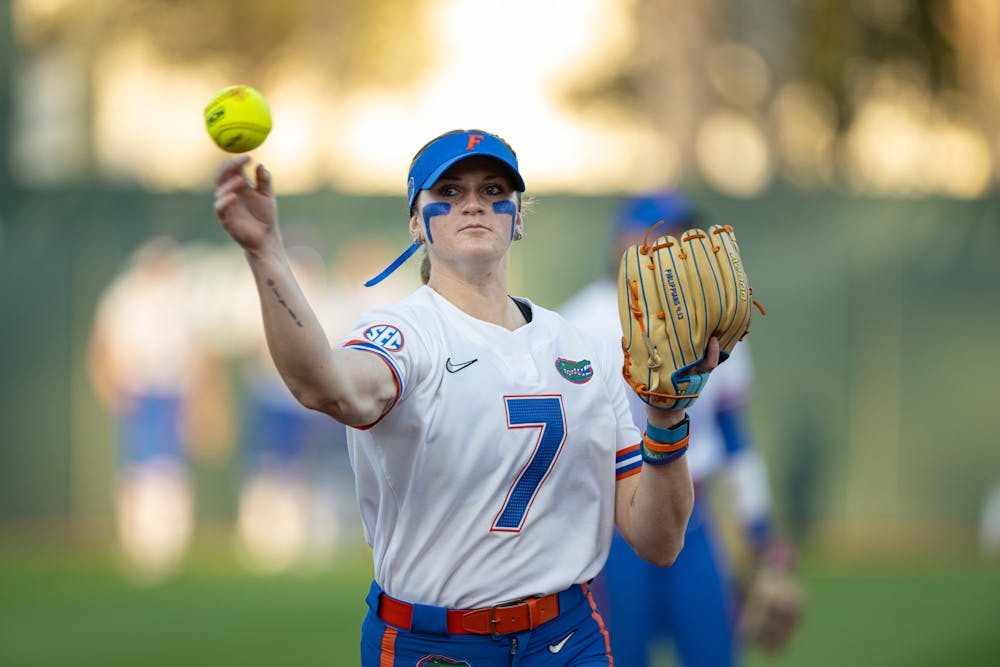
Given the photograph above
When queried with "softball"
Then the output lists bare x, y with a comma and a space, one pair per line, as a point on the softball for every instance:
238, 119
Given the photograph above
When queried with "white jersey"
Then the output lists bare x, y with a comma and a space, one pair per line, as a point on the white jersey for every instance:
595, 309
492, 477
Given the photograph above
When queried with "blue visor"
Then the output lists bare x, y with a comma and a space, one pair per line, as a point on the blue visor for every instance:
449, 149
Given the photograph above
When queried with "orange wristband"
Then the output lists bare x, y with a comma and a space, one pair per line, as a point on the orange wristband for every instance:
662, 447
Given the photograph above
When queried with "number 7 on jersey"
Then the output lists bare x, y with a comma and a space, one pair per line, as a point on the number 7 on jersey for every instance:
546, 414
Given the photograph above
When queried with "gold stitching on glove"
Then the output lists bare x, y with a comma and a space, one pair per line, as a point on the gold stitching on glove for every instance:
634, 305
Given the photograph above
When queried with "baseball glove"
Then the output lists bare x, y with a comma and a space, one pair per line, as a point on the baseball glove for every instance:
673, 296
772, 606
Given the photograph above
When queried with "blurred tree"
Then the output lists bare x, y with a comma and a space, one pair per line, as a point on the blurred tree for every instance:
838, 39
660, 79
54, 47
667, 82
6, 60
972, 28
357, 42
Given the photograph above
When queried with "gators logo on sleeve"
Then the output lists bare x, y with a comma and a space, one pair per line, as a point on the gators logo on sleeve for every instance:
385, 336
577, 372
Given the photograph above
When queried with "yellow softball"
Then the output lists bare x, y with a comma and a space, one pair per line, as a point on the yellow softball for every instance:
238, 119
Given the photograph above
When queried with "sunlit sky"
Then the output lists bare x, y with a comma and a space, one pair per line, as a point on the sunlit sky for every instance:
503, 71
504, 79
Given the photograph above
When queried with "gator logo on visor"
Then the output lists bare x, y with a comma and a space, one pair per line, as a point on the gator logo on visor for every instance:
433, 660
577, 372
385, 336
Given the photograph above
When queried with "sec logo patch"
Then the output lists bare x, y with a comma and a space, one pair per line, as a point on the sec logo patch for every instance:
385, 336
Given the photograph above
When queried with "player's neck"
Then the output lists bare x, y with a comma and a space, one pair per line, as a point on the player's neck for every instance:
485, 299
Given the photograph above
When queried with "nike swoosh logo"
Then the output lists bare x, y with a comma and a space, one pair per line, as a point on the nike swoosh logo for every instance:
558, 646
454, 368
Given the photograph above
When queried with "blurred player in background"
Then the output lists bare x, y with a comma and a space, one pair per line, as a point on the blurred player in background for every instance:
694, 604
151, 370
482, 437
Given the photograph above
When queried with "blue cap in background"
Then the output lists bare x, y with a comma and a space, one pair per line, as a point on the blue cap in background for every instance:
448, 149
637, 214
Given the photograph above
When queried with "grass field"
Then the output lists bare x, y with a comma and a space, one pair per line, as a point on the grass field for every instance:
59, 608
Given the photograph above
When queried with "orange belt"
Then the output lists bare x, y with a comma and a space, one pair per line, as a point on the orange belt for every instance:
499, 620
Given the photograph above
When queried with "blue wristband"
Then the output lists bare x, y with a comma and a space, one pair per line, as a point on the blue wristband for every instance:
669, 436
655, 459
654, 435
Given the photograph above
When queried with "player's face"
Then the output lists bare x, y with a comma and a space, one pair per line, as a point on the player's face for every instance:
470, 213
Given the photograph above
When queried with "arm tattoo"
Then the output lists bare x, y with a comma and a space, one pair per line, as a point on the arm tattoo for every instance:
281, 300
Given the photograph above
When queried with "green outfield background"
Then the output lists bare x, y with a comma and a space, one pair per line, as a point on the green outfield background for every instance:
875, 407
69, 610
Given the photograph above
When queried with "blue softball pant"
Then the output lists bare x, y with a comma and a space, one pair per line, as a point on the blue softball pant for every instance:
689, 603
151, 430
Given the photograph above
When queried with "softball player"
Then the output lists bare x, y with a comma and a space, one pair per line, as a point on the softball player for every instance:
146, 361
691, 604
492, 443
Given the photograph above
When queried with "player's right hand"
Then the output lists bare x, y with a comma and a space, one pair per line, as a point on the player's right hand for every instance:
247, 209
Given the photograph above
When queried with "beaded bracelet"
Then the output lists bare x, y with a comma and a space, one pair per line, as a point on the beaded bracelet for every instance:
663, 445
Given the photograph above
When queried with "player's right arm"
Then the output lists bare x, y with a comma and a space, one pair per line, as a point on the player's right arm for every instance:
353, 387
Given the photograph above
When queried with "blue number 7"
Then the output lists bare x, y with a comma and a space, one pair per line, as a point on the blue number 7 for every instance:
546, 414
